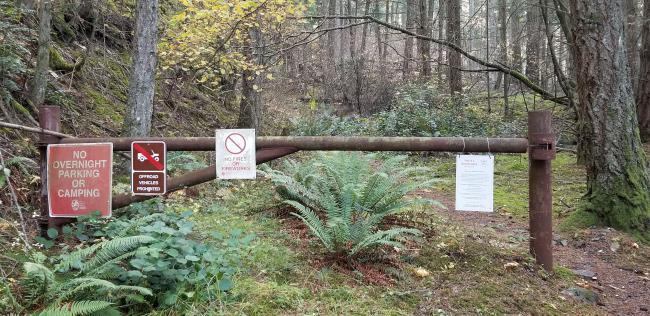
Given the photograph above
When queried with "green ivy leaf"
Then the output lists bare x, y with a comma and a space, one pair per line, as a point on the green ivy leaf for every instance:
67, 230
52, 233
225, 284
47, 244
170, 299
173, 252
192, 258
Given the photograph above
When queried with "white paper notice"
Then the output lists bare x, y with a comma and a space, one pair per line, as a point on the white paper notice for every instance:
474, 183
235, 151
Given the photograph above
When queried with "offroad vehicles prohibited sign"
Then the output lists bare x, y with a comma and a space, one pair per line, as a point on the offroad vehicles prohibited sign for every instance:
148, 168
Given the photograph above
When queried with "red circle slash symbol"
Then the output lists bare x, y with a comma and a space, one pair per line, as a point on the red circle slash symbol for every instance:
146, 154
235, 143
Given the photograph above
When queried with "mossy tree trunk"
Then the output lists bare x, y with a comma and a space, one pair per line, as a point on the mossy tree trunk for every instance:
137, 121
617, 174
39, 82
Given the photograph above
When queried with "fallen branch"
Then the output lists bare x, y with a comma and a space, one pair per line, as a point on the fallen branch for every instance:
35, 130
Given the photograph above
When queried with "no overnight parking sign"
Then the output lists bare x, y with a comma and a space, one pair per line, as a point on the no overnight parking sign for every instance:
79, 179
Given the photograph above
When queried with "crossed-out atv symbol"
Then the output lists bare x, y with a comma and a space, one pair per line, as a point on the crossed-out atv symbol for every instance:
154, 155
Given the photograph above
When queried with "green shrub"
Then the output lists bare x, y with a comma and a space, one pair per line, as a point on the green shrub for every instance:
344, 201
177, 265
417, 112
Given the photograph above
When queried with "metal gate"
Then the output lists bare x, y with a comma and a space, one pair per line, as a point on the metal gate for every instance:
540, 146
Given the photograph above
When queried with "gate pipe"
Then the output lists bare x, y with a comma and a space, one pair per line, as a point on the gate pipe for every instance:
199, 176
347, 143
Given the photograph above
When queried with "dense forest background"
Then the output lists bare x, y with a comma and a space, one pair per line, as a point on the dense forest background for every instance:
470, 68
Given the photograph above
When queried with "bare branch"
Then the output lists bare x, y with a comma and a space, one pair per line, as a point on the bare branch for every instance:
507, 70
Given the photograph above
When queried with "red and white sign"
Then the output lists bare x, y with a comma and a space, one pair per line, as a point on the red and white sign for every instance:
235, 151
79, 178
148, 168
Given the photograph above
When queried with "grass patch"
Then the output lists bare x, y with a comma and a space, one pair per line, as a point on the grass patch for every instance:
511, 182
279, 278
282, 274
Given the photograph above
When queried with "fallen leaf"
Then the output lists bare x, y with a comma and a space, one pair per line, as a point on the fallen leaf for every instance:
421, 272
511, 265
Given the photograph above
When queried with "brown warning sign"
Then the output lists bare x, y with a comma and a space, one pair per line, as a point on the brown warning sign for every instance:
79, 179
149, 170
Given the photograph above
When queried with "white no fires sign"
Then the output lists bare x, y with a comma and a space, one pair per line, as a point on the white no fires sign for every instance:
235, 150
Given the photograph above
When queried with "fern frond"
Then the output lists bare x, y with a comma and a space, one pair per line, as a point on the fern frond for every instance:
77, 287
103, 252
313, 222
384, 237
37, 281
76, 308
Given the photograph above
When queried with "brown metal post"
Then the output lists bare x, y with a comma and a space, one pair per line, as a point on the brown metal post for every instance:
49, 118
540, 203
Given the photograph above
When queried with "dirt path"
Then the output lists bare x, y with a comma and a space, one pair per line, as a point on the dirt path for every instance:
619, 266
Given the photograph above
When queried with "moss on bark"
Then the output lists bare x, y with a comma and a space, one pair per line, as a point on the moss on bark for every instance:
58, 63
624, 204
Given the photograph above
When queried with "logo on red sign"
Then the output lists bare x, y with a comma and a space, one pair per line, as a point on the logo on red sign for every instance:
79, 179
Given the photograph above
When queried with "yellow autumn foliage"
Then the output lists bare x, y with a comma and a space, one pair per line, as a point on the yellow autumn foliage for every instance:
209, 38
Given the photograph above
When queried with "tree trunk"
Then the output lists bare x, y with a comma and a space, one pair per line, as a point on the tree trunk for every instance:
137, 121
331, 36
517, 60
342, 33
384, 51
643, 87
352, 33
423, 45
377, 29
487, 55
631, 34
453, 36
503, 39
408, 44
251, 109
441, 33
533, 38
364, 33
618, 184
39, 82
250, 112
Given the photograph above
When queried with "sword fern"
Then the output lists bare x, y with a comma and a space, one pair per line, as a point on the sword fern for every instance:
344, 199
88, 291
